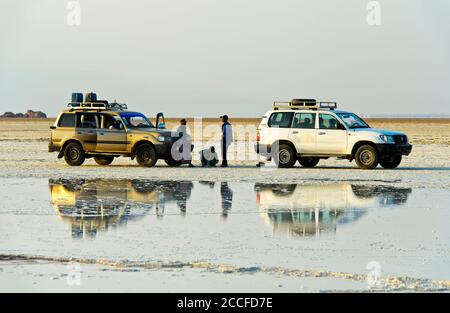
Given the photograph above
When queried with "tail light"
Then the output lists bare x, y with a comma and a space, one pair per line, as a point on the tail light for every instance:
258, 137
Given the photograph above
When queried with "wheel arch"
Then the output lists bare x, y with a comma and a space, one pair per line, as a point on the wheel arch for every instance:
284, 142
359, 144
66, 143
137, 144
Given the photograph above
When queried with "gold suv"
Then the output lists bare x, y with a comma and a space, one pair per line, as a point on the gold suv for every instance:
104, 131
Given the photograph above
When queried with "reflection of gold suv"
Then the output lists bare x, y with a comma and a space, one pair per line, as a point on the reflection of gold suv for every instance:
105, 131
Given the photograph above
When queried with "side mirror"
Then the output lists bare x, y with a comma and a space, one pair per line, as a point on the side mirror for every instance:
52, 127
341, 127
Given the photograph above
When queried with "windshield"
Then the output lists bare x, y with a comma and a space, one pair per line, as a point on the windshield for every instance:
352, 120
136, 120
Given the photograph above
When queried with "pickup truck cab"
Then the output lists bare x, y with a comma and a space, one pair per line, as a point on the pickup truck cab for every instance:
307, 131
104, 131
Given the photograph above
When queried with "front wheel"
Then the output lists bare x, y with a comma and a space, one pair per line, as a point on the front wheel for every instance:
104, 160
172, 162
367, 157
74, 154
391, 162
146, 155
284, 156
308, 162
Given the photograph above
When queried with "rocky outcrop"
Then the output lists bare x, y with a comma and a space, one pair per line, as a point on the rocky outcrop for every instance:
29, 114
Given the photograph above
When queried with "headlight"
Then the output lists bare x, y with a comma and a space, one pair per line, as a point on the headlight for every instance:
163, 139
387, 139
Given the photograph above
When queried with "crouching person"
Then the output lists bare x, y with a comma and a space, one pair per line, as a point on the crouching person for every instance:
209, 157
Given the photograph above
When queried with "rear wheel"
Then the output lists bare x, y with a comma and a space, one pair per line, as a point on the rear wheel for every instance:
367, 157
308, 162
74, 154
104, 160
285, 156
391, 162
146, 155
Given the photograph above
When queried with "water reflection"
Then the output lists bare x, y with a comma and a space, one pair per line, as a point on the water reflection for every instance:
308, 210
91, 206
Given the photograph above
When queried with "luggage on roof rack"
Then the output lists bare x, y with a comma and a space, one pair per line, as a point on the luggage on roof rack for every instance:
114, 106
304, 104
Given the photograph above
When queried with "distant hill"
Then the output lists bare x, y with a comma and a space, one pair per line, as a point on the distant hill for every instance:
28, 114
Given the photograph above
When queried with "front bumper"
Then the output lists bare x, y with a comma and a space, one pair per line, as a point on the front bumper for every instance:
394, 149
164, 149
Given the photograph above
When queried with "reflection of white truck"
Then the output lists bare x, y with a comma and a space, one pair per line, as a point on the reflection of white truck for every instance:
306, 131
311, 209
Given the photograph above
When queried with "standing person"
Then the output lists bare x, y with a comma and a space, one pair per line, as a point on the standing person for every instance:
185, 143
227, 139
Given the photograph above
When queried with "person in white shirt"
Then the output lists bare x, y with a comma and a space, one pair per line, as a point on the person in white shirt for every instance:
185, 143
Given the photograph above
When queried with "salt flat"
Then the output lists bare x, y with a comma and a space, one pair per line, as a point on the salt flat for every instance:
269, 229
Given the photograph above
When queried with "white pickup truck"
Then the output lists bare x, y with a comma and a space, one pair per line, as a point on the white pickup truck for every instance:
307, 131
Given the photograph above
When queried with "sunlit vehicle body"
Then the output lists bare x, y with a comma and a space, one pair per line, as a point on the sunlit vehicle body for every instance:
91, 206
307, 131
104, 131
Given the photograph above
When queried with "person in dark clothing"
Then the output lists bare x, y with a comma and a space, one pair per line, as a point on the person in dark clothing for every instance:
227, 198
227, 139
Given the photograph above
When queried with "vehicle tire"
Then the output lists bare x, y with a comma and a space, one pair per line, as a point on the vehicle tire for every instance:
284, 156
391, 162
171, 162
146, 155
367, 157
74, 154
308, 162
104, 160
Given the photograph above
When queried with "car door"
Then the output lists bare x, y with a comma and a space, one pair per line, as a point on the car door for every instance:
86, 130
111, 135
303, 132
331, 136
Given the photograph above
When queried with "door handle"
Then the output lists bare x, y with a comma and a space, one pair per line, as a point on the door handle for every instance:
322, 133
102, 134
295, 132
80, 133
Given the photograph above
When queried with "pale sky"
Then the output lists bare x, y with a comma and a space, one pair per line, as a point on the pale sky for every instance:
209, 57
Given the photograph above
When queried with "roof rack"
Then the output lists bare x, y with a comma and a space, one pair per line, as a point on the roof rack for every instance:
114, 106
304, 104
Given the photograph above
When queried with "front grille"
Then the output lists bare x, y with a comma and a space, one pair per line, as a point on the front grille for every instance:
400, 139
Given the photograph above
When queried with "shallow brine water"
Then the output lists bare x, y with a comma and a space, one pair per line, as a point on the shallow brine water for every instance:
307, 229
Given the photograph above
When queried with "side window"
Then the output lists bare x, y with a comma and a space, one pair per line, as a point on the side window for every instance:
327, 121
87, 120
109, 122
281, 119
304, 121
67, 120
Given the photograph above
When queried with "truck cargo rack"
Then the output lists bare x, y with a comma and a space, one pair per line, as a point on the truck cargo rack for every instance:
114, 106
304, 104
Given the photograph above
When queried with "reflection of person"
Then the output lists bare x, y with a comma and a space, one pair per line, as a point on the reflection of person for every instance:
227, 139
209, 157
182, 194
184, 144
227, 198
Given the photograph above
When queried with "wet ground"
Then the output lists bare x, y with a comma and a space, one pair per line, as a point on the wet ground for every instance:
180, 235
